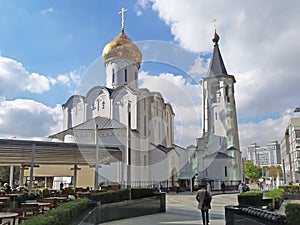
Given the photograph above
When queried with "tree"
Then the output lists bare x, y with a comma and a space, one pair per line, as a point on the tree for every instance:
274, 170
252, 172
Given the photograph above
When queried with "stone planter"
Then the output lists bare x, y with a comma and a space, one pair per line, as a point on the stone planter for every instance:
278, 203
270, 203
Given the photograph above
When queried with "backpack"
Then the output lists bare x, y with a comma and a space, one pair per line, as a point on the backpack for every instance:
246, 188
207, 200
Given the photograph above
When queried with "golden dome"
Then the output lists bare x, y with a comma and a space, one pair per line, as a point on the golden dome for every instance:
122, 47
215, 38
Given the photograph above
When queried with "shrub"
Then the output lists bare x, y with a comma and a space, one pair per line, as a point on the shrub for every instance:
141, 192
121, 195
292, 211
110, 196
291, 189
69, 211
277, 194
41, 220
250, 198
62, 215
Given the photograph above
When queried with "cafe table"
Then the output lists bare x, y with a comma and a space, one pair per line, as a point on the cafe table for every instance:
8, 215
42, 205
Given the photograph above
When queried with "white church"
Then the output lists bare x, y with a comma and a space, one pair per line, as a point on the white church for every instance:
136, 122
132, 129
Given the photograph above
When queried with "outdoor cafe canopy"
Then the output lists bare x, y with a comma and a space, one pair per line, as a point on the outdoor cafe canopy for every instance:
17, 152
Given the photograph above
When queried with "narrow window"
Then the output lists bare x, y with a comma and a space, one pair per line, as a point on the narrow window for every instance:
225, 171
113, 75
145, 126
126, 75
159, 131
145, 160
144, 104
227, 93
216, 115
167, 132
98, 105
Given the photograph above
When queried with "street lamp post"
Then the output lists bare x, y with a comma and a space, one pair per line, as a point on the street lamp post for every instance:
96, 158
128, 149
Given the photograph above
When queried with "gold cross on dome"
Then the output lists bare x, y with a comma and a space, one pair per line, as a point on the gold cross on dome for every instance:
215, 23
123, 10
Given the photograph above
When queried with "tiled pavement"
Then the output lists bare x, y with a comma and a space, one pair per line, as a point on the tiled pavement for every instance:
182, 210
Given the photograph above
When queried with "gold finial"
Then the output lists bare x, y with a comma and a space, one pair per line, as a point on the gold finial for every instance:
123, 10
216, 37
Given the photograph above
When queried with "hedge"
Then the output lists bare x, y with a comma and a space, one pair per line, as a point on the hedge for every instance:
110, 196
291, 189
292, 211
142, 192
250, 198
121, 195
41, 220
62, 215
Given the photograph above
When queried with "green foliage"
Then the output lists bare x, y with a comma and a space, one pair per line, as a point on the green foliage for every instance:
110, 196
292, 211
252, 172
274, 170
277, 194
250, 198
291, 189
141, 192
41, 220
5, 172
62, 215
69, 211
121, 195
31, 196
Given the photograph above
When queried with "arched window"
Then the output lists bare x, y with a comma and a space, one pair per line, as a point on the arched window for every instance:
225, 171
125, 75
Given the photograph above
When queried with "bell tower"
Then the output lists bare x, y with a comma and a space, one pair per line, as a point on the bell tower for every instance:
219, 120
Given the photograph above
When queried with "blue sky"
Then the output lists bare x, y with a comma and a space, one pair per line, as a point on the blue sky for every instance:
48, 49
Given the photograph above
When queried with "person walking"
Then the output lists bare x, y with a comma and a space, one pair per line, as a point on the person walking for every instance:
204, 198
241, 187
223, 187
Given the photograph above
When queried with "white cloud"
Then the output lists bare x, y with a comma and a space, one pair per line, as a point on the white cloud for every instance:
49, 10
14, 78
141, 4
258, 46
198, 68
65, 79
27, 118
70, 78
